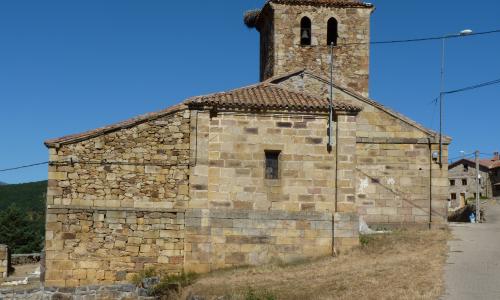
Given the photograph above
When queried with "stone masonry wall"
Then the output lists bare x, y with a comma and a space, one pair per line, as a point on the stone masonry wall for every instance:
145, 166
116, 203
394, 168
394, 184
87, 246
351, 62
459, 173
236, 216
4, 262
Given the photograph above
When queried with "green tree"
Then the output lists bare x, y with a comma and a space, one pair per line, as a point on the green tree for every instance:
19, 231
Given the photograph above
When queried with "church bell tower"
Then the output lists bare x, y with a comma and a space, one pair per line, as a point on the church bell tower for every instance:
298, 34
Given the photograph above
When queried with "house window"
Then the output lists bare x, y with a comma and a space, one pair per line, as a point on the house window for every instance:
452, 183
305, 31
272, 164
333, 32
466, 168
464, 181
453, 196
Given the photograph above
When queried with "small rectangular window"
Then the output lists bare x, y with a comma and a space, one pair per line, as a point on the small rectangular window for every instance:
464, 181
453, 196
466, 168
452, 182
272, 164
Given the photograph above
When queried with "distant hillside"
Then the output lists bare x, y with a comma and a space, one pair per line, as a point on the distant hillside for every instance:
29, 197
22, 216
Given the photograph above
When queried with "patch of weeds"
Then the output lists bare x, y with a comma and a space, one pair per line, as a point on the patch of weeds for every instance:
143, 274
251, 294
172, 284
364, 240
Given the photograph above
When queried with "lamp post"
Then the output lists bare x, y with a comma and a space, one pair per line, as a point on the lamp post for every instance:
442, 92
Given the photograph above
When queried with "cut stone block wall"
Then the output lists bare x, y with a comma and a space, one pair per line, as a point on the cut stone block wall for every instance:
394, 184
90, 246
229, 152
4, 262
222, 238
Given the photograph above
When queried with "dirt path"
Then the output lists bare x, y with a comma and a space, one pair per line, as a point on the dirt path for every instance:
473, 266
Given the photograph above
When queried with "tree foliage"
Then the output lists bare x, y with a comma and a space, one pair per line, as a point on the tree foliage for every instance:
22, 216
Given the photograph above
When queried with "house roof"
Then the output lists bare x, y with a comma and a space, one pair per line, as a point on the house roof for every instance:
262, 96
490, 164
360, 97
270, 96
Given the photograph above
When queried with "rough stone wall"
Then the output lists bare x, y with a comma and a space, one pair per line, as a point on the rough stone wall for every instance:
145, 166
459, 173
116, 203
236, 216
105, 292
87, 246
351, 62
4, 262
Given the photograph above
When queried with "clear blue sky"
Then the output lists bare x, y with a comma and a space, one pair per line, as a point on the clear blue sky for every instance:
70, 66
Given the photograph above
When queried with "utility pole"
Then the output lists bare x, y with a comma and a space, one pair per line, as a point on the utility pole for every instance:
478, 202
330, 108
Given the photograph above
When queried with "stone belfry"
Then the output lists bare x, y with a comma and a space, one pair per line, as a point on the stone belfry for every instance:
297, 34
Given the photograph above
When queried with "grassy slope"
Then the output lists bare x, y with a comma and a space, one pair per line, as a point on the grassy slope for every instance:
27, 196
402, 265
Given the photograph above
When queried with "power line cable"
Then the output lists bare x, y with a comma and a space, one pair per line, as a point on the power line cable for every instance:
434, 38
473, 87
25, 166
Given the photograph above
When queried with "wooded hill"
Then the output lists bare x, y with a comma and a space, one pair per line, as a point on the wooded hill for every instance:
22, 216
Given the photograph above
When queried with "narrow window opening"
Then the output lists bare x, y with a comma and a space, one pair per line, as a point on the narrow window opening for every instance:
333, 32
466, 168
272, 164
305, 31
464, 181
452, 182
453, 196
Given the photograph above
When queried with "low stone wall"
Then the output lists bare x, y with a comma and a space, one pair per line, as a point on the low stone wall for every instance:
218, 239
111, 292
94, 246
4, 262
24, 259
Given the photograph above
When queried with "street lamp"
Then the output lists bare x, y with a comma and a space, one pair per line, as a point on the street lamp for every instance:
442, 92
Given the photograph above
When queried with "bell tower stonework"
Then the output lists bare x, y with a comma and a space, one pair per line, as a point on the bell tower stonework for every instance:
297, 34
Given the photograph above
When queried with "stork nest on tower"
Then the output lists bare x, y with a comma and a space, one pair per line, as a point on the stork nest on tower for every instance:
251, 17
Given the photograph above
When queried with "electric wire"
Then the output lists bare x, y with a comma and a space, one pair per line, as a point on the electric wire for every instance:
434, 38
95, 163
474, 87
24, 167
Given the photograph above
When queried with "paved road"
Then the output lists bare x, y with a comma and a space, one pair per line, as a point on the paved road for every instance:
473, 267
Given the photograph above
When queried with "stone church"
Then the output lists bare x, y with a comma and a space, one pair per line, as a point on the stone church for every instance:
251, 175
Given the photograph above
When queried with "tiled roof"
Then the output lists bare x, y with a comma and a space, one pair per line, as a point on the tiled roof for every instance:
335, 3
269, 96
280, 78
492, 163
264, 96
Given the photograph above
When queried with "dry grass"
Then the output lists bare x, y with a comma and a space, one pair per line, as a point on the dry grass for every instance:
401, 265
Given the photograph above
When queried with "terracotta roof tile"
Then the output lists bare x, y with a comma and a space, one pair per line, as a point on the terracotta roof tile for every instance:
271, 97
